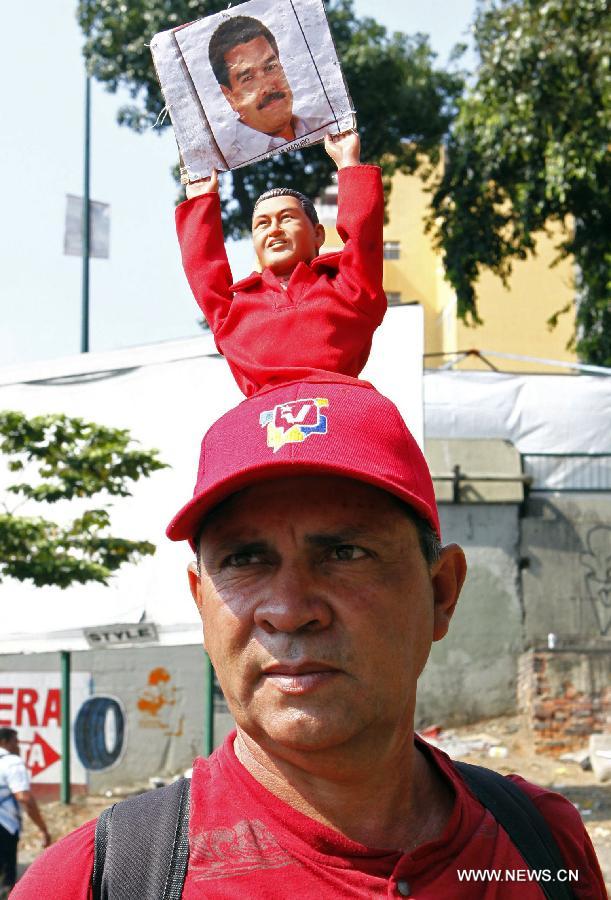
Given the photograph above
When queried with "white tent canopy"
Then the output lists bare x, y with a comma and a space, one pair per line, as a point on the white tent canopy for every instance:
537, 413
167, 395
561, 424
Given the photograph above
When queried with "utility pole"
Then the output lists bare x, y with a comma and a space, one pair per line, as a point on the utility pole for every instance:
208, 705
86, 218
65, 787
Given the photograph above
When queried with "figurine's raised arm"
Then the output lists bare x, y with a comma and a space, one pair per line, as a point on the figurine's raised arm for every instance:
200, 234
360, 220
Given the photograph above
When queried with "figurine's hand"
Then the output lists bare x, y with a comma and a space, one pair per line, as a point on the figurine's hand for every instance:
344, 149
208, 185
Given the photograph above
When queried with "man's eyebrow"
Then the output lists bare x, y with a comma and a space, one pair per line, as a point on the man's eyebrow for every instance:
233, 542
278, 212
242, 73
342, 536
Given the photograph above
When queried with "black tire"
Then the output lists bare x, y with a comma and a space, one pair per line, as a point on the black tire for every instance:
89, 733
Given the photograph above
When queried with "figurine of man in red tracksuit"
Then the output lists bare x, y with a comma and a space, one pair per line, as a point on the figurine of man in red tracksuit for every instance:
302, 314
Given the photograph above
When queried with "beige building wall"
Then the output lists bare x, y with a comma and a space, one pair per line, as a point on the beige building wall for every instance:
515, 319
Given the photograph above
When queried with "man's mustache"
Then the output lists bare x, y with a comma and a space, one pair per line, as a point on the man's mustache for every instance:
269, 98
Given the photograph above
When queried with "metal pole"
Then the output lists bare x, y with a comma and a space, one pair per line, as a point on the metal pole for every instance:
65, 699
208, 706
456, 484
86, 220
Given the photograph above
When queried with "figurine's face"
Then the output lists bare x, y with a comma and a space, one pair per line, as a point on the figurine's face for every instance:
259, 91
283, 235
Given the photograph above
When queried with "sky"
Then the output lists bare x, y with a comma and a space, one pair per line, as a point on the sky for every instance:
139, 295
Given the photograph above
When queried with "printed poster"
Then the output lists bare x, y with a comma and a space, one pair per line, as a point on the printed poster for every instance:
256, 79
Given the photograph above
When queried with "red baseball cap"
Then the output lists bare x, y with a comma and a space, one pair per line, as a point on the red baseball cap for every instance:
342, 428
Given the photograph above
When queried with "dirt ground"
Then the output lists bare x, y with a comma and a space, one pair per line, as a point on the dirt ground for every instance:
507, 734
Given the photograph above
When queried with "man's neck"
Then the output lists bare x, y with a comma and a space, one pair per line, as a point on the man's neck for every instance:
288, 132
285, 276
400, 802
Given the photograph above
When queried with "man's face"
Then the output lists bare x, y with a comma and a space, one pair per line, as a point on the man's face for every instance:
318, 610
283, 235
259, 91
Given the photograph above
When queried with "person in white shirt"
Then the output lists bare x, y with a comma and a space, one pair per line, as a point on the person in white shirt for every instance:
245, 60
14, 793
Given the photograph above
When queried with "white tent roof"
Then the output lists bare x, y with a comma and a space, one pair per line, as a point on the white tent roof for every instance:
167, 395
537, 413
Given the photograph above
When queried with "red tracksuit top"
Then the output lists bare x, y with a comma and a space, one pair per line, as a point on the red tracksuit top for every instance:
325, 318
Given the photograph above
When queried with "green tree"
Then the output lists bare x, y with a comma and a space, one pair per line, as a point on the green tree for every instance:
62, 458
530, 147
404, 104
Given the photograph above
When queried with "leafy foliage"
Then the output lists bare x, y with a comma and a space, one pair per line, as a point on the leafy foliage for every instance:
67, 458
529, 147
405, 105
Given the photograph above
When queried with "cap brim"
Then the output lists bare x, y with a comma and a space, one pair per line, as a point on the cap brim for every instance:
187, 522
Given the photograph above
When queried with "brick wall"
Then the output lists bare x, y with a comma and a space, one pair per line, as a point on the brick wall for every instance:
566, 696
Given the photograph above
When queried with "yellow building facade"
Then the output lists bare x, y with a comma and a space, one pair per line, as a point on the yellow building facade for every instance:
514, 319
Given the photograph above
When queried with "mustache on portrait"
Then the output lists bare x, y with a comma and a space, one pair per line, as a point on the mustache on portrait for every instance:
269, 98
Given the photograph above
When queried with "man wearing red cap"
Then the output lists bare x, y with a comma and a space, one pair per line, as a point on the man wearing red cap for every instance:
322, 583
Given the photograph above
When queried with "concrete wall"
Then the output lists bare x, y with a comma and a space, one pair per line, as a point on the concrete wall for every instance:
540, 569
566, 579
472, 672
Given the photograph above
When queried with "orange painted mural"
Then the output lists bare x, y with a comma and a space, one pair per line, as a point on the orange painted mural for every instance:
157, 704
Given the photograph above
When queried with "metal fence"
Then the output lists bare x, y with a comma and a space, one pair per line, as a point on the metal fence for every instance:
587, 472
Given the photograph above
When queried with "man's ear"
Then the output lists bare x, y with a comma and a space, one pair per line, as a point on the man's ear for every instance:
195, 585
228, 95
447, 576
319, 235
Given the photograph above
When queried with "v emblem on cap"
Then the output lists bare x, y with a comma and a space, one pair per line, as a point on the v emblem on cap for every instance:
292, 422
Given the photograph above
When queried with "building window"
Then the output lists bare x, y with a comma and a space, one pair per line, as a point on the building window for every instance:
394, 298
326, 205
392, 249
329, 195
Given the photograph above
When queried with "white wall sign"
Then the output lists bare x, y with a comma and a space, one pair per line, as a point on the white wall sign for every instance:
30, 702
113, 635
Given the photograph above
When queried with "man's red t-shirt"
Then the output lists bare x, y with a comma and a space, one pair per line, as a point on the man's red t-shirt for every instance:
245, 842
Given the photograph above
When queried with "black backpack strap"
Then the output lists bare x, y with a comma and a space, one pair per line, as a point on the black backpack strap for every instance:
99, 850
526, 827
142, 846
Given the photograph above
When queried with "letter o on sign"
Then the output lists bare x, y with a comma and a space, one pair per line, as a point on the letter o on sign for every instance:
99, 733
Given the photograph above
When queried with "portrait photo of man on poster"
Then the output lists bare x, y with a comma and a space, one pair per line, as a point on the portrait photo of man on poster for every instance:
258, 78
245, 59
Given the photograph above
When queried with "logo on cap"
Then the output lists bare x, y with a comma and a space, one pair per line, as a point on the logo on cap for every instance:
293, 422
